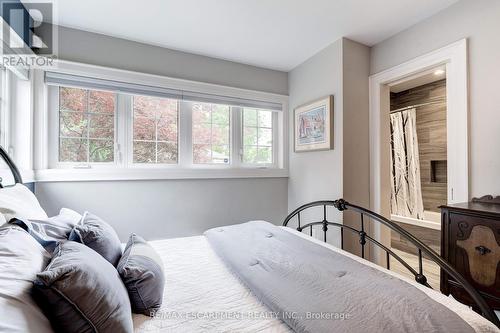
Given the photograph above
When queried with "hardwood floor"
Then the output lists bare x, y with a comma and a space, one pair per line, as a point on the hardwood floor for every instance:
431, 270
408, 252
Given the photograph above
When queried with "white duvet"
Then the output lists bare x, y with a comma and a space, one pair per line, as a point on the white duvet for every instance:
202, 295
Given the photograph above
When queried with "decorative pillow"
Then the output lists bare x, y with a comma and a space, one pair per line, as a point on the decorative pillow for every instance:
21, 258
99, 236
18, 201
141, 269
80, 291
51, 231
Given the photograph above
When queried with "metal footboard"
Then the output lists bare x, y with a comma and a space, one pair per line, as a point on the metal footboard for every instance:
364, 238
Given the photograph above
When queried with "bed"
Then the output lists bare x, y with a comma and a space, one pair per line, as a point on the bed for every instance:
208, 289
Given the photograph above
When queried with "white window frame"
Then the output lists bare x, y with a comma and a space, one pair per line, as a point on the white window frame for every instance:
54, 119
128, 158
190, 142
4, 108
49, 169
275, 145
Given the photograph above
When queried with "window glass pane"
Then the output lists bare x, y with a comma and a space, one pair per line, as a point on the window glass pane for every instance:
264, 155
144, 152
249, 154
86, 125
265, 119
73, 150
250, 117
211, 133
202, 153
202, 133
257, 136
101, 102
220, 114
265, 136
167, 131
250, 136
155, 130
144, 128
101, 150
167, 152
102, 126
220, 134
72, 99
220, 153
73, 124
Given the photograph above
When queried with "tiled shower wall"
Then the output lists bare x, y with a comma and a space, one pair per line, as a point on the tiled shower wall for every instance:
431, 133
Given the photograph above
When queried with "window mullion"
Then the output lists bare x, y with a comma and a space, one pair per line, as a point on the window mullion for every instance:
156, 136
236, 144
123, 137
276, 144
87, 94
185, 137
211, 135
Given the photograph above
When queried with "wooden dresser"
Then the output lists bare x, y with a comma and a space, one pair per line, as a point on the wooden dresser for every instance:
470, 242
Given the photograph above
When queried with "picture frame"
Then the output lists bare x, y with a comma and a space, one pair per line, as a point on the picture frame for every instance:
313, 125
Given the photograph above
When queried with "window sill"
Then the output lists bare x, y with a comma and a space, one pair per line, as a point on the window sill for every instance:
28, 176
67, 175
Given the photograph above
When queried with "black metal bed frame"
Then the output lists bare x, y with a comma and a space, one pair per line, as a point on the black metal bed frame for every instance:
342, 205
13, 168
422, 248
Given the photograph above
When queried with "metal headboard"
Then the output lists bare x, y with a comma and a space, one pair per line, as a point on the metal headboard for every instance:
342, 205
13, 168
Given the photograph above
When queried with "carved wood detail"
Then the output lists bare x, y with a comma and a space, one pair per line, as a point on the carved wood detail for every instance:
487, 199
483, 252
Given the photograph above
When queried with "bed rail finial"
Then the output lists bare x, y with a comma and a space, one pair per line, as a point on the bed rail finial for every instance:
340, 204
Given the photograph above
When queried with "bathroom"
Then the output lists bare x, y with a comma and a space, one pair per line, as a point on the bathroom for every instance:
419, 162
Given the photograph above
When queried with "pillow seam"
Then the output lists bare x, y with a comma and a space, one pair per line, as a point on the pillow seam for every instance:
74, 306
132, 236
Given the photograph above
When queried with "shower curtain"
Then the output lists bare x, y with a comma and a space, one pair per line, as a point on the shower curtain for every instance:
406, 194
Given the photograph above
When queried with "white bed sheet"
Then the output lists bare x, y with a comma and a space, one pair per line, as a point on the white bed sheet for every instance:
201, 293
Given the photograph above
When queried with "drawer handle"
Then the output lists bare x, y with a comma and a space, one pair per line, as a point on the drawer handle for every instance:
482, 250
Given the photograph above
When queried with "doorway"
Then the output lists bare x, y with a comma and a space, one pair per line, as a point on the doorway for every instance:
418, 169
451, 59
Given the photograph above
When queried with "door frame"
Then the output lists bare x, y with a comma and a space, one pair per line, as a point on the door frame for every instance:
454, 57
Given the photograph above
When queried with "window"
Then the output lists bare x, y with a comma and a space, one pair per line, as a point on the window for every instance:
155, 128
86, 125
108, 123
257, 136
4, 116
211, 133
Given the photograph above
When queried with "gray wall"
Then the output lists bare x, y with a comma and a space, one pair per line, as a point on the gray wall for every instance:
317, 175
97, 49
479, 21
170, 208
356, 148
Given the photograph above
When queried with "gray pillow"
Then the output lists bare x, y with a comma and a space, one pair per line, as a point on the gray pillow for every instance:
99, 236
141, 269
79, 291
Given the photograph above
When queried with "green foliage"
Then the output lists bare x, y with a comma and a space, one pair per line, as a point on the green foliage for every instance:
87, 130
86, 125
257, 136
211, 133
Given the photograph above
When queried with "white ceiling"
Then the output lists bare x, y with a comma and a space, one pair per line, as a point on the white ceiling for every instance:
419, 79
277, 34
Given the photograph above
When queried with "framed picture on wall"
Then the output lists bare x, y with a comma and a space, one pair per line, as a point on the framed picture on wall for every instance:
314, 125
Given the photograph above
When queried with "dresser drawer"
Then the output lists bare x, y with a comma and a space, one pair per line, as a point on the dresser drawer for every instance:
474, 249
